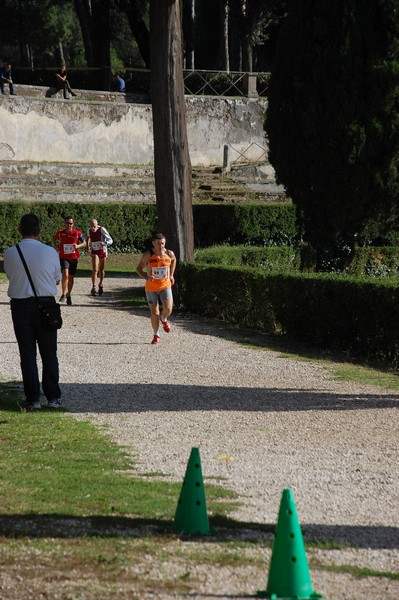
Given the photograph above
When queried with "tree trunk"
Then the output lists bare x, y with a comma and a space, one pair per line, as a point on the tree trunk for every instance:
135, 15
236, 24
93, 17
171, 155
189, 32
224, 57
83, 11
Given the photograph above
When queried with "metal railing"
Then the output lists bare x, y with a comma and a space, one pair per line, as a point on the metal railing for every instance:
196, 82
254, 153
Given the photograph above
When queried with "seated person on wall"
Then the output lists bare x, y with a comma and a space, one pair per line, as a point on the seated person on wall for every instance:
6, 77
118, 84
63, 83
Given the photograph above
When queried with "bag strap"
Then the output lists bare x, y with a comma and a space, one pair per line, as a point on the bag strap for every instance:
26, 268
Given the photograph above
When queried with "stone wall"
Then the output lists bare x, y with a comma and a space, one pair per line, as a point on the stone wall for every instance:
113, 132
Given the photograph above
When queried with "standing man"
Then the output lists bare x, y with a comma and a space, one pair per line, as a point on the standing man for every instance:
97, 242
44, 267
159, 264
6, 77
67, 242
63, 83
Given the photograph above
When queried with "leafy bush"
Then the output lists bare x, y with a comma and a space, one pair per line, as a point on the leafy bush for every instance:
271, 259
357, 315
255, 225
132, 224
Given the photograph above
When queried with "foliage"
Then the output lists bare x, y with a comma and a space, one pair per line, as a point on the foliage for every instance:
333, 121
357, 315
41, 33
375, 262
269, 258
36, 29
372, 261
256, 225
129, 225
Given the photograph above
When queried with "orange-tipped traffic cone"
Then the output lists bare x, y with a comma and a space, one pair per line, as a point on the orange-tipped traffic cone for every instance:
289, 577
191, 516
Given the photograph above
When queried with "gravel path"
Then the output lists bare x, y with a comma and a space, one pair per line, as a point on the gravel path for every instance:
263, 422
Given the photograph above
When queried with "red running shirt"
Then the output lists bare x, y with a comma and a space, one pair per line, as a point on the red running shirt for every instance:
66, 240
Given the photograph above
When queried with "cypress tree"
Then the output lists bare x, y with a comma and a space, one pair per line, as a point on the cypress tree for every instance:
333, 121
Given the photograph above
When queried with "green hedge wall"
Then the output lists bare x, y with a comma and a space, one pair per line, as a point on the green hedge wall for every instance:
372, 261
269, 258
357, 315
131, 224
257, 225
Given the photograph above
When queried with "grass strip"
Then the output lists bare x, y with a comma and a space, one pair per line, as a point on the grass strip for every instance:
52, 464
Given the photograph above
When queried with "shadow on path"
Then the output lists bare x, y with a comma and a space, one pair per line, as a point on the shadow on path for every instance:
65, 526
138, 398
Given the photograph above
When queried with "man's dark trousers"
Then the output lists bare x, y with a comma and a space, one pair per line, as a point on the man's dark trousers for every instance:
28, 331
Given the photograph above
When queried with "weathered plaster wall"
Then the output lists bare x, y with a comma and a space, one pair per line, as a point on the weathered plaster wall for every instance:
39, 129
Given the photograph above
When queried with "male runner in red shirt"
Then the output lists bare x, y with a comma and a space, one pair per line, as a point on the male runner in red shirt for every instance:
67, 242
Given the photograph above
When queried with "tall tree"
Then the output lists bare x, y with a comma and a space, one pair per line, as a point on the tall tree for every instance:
224, 54
171, 154
333, 121
94, 16
189, 33
136, 11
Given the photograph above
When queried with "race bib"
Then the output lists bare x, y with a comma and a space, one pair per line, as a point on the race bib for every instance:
96, 246
159, 272
69, 248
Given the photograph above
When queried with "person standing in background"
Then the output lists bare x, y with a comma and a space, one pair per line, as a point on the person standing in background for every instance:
44, 267
97, 242
67, 242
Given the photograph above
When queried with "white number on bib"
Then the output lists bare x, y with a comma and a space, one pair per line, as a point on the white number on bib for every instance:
69, 248
159, 272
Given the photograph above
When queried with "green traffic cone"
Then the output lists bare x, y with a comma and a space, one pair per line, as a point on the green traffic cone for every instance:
289, 577
191, 516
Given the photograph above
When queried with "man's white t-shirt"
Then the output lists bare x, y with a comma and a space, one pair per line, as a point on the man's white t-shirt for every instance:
44, 266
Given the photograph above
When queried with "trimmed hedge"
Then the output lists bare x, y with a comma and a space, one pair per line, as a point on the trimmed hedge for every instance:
375, 261
357, 315
268, 258
372, 261
132, 224
255, 225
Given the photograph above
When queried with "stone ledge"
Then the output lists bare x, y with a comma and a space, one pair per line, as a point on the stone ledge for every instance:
53, 93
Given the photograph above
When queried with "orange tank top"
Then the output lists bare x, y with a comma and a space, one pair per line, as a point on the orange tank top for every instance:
159, 268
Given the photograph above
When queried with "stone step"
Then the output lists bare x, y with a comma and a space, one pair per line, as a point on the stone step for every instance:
78, 169
39, 194
79, 181
76, 182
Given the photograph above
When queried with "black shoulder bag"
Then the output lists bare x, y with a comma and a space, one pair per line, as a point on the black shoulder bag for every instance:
50, 312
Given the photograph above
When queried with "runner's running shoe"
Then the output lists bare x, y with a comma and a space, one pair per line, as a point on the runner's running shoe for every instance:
100, 290
62, 299
69, 299
155, 339
165, 325
93, 290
